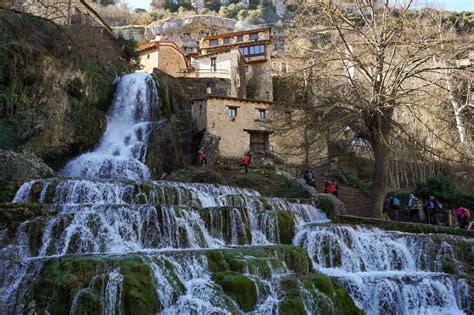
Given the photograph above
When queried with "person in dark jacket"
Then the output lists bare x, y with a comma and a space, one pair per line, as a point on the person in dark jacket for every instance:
414, 206
394, 207
431, 210
309, 178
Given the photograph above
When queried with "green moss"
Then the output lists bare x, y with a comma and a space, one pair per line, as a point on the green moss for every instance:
286, 226
326, 205
448, 266
346, 305
239, 287
296, 258
61, 280
324, 284
292, 303
138, 289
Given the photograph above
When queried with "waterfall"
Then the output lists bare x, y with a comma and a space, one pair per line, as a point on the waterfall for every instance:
122, 149
386, 272
113, 231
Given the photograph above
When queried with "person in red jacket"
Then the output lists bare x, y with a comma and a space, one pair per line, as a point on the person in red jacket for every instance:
334, 188
202, 156
246, 163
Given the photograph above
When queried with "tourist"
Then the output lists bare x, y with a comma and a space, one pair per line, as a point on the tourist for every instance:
309, 178
327, 187
431, 210
463, 215
414, 206
334, 188
202, 156
394, 207
246, 163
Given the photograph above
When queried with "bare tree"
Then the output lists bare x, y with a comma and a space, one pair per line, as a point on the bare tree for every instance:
369, 65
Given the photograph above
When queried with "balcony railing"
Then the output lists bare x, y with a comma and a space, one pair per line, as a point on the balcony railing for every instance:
204, 72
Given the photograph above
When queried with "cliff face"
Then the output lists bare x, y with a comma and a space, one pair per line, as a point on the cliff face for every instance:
55, 85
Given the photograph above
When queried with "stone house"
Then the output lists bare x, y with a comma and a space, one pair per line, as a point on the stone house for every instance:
164, 56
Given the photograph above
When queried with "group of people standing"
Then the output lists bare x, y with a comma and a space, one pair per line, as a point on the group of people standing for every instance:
203, 160
432, 210
329, 187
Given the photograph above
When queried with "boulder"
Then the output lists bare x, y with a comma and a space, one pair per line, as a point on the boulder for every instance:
16, 168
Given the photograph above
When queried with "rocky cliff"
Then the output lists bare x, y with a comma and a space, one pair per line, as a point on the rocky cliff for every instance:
55, 85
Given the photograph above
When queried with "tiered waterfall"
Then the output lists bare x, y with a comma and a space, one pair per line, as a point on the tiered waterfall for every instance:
117, 242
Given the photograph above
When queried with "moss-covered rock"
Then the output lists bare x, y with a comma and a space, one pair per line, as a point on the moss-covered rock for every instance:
239, 287
56, 84
16, 168
342, 301
286, 226
61, 280
292, 302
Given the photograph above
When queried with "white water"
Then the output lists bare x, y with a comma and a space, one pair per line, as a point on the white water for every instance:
386, 272
107, 209
122, 150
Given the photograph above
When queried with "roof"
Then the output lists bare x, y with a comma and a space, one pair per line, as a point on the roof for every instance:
262, 29
245, 100
146, 47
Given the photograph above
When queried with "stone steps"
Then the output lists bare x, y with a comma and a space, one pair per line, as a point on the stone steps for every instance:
356, 201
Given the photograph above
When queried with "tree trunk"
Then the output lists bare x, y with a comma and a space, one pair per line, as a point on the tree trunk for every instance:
380, 177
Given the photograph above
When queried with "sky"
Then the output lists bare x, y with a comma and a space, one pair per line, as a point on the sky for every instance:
451, 5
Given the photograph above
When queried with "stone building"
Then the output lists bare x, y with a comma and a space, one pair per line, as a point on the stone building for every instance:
164, 56
255, 46
229, 82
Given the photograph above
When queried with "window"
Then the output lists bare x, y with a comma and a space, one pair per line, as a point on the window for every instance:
147, 56
232, 111
253, 50
213, 42
226, 41
240, 38
262, 114
213, 64
253, 36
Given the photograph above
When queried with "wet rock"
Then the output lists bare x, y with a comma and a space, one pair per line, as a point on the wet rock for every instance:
16, 168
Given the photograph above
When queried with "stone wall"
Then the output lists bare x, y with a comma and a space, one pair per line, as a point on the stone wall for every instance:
234, 140
137, 33
196, 87
171, 61
150, 60
259, 81
165, 57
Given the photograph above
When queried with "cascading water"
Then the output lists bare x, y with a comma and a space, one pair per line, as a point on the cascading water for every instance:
387, 272
122, 150
186, 245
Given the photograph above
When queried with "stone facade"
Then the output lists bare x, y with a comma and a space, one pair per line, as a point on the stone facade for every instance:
256, 49
164, 56
229, 81
234, 130
228, 65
